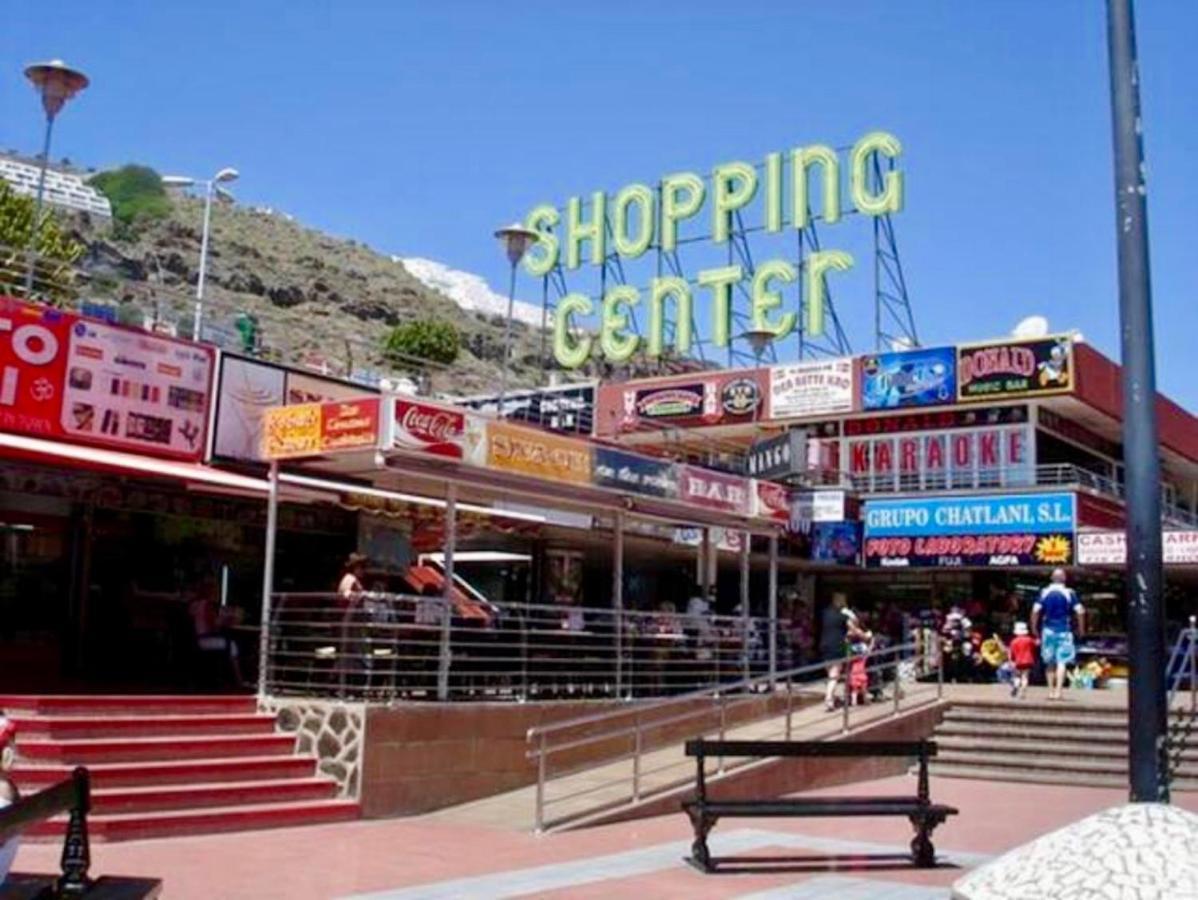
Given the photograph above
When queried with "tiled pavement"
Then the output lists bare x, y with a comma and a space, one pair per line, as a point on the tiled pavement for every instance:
815, 859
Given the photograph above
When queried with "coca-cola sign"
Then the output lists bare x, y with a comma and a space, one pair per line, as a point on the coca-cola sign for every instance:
422, 428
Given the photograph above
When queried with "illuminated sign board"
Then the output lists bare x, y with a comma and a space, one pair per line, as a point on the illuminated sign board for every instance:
640, 217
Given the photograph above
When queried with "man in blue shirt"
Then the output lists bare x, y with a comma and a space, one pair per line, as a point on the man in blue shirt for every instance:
1052, 624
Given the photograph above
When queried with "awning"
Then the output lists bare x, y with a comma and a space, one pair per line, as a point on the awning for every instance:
96, 459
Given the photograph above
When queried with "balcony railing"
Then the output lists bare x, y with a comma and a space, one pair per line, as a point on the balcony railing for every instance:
384, 647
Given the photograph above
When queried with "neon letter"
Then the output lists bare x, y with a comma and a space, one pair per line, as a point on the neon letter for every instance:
661, 290
578, 231
571, 352
891, 198
720, 281
618, 345
773, 192
765, 300
675, 208
643, 197
734, 185
818, 264
800, 160
542, 256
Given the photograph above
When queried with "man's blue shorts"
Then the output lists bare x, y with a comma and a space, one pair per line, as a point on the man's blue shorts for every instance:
1056, 647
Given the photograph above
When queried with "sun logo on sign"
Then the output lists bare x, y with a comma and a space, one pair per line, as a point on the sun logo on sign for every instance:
1053, 550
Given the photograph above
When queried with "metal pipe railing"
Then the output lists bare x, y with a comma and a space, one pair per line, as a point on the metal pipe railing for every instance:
386, 646
650, 726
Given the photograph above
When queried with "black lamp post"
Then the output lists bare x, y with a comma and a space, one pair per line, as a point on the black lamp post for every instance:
1147, 702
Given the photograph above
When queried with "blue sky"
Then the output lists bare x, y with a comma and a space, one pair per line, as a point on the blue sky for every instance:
420, 127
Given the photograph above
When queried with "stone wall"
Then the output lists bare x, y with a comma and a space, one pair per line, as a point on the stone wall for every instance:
333, 732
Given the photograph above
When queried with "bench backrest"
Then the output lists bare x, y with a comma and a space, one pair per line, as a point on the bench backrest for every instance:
702, 747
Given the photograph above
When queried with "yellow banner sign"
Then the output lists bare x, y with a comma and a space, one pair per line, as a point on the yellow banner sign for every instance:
532, 452
291, 431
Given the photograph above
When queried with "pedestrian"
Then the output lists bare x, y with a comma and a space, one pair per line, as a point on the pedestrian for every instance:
838, 626
349, 588
1023, 658
8, 790
1052, 624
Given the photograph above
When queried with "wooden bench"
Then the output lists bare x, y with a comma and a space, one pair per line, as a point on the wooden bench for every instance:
924, 815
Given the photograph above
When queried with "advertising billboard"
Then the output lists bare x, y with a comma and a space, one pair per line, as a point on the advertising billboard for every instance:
1109, 548
923, 377
714, 490
811, 389
424, 428
72, 379
247, 390
631, 472
530, 451
715, 398
987, 530
310, 429
1001, 370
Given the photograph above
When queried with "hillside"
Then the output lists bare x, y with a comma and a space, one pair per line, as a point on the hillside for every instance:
324, 301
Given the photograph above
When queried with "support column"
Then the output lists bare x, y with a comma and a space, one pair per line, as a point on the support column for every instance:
773, 612
705, 563
617, 600
451, 540
268, 576
745, 540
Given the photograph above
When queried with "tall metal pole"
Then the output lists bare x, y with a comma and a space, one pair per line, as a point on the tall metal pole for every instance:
451, 543
745, 538
617, 600
507, 337
1147, 714
31, 246
268, 577
199, 312
773, 612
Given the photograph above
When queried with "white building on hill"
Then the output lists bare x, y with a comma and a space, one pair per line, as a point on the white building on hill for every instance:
63, 188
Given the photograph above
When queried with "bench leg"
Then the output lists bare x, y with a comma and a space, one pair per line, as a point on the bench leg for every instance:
702, 822
922, 849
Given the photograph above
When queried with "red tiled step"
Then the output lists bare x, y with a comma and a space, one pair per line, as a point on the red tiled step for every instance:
127, 704
46, 727
103, 750
114, 801
146, 774
137, 826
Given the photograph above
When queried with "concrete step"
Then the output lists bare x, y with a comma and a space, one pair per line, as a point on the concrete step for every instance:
127, 704
1044, 732
74, 727
160, 798
1072, 747
144, 774
160, 749
175, 823
1063, 766
1038, 776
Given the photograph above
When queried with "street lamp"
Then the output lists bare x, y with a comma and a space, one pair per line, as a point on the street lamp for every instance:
57, 83
516, 240
211, 186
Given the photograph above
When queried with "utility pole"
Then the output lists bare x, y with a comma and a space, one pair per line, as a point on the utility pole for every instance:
1147, 711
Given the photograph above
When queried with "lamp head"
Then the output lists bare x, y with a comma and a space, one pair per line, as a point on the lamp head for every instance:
516, 240
56, 82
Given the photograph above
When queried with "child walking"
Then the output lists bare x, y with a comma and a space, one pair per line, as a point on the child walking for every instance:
1023, 656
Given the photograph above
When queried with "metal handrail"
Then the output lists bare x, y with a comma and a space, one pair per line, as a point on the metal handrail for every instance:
74, 796
540, 749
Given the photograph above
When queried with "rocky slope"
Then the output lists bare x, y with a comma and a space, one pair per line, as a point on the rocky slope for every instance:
323, 301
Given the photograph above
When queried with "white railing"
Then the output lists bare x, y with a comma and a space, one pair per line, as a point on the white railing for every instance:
389, 646
621, 749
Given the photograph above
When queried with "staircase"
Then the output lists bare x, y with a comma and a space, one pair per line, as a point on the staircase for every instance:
165, 766
1051, 743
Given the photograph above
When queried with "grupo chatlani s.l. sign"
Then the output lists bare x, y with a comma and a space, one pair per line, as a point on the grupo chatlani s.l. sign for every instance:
639, 217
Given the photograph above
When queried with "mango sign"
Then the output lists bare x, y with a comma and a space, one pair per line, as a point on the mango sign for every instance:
639, 217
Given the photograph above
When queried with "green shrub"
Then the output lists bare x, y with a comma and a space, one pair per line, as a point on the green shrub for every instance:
136, 193
54, 275
423, 339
